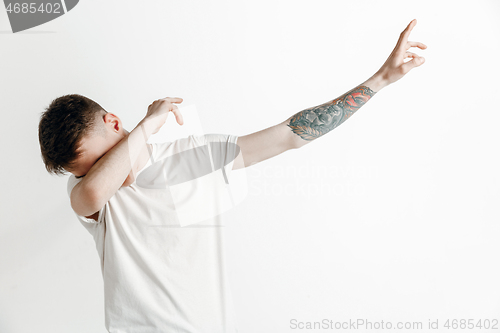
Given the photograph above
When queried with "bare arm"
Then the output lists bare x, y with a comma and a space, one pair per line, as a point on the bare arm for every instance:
304, 126
312, 123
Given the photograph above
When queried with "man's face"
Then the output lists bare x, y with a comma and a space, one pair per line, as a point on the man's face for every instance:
95, 146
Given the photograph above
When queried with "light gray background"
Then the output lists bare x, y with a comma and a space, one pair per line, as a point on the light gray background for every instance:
404, 224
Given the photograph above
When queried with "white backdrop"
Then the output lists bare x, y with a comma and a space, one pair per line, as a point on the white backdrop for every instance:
392, 216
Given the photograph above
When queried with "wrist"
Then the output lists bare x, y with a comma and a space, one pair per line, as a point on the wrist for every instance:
146, 126
376, 82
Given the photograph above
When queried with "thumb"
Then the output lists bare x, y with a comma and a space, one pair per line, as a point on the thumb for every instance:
415, 62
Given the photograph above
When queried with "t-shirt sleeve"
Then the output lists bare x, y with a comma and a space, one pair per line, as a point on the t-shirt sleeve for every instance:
223, 152
195, 174
72, 181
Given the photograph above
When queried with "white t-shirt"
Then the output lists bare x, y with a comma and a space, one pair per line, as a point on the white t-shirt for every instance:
161, 241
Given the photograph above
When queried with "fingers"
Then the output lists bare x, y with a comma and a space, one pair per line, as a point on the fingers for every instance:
415, 62
170, 100
418, 59
411, 55
178, 115
406, 33
174, 109
173, 99
421, 46
403, 38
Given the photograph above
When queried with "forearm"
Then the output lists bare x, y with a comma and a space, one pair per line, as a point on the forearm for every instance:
108, 174
314, 122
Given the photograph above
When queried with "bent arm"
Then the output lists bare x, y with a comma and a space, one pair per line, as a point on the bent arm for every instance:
107, 175
111, 171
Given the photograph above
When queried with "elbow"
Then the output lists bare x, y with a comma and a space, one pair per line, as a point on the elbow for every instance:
85, 201
295, 141
298, 142
292, 142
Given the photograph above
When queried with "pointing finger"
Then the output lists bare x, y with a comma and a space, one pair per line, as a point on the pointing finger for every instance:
403, 38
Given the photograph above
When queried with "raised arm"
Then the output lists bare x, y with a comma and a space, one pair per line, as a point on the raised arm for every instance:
312, 123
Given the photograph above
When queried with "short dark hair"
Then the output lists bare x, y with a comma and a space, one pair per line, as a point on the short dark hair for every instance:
62, 126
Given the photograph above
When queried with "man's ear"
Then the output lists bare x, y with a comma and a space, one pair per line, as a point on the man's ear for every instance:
110, 119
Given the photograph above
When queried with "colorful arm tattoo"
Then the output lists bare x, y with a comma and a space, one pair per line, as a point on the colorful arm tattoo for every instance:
314, 122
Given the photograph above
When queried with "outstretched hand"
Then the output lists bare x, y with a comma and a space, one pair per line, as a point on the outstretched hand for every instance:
395, 68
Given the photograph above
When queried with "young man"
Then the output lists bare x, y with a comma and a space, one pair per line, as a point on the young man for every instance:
161, 248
